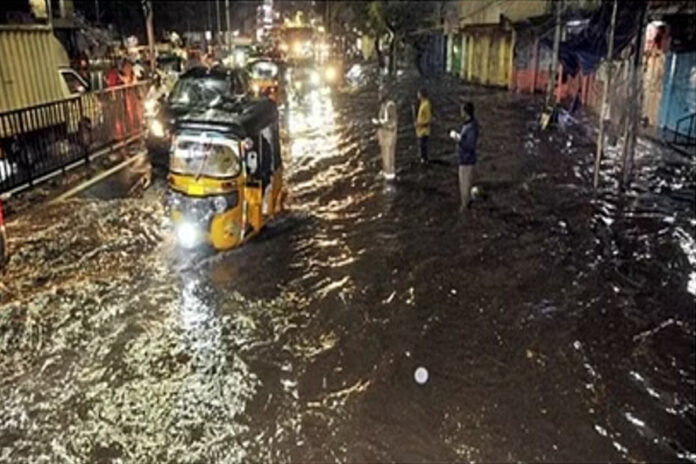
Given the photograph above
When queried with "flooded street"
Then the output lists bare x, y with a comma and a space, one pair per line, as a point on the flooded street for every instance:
554, 325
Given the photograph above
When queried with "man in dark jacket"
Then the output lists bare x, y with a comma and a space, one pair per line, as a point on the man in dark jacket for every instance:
466, 152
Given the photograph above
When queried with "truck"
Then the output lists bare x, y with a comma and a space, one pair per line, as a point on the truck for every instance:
41, 97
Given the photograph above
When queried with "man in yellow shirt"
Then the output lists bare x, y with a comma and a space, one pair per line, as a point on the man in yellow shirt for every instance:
423, 124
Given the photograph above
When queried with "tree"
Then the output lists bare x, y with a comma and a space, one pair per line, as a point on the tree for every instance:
397, 21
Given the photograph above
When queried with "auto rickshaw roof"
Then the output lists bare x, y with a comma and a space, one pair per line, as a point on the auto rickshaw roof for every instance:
246, 118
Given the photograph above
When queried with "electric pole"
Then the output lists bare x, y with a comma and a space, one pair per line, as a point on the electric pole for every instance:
147, 7
210, 20
550, 89
219, 22
605, 96
228, 34
328, 16
635, 106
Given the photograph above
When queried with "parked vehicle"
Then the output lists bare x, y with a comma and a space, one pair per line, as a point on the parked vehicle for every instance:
225, 169
40, 95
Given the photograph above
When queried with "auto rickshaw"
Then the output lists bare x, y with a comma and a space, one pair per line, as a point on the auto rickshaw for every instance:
265, 78
225, 165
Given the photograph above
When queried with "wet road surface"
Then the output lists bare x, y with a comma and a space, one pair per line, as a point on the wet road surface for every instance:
554, 325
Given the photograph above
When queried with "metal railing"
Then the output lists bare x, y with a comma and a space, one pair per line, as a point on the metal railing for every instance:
687, 137
43, 139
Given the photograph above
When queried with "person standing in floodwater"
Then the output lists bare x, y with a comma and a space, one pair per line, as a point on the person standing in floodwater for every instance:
466, 152
423, 124
387, 126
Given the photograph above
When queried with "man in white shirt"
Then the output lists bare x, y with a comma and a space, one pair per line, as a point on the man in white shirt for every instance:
387, 126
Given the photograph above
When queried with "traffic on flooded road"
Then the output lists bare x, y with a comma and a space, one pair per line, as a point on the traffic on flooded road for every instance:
300, 277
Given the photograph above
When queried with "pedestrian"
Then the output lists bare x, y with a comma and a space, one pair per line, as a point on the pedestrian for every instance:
466, 152
139, 70
112, 76
127, 73
210, 59
387, 125
423, 124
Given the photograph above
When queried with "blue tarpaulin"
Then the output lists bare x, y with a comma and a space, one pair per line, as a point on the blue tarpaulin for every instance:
584, 51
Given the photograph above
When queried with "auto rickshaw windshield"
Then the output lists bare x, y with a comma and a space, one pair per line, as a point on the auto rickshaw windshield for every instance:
264, 70
212, 158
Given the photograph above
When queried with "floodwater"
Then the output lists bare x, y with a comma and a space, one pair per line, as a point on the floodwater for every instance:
554, 325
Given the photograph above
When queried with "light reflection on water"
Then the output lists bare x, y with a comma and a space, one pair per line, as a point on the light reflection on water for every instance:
554, 327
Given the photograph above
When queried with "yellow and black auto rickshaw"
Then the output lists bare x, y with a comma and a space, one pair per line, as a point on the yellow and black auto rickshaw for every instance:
265, 78
225, 165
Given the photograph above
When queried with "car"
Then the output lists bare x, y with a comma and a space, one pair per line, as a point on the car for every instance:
192, 88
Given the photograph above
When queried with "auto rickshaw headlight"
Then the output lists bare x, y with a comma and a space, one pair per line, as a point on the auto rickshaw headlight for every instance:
157, 128
256, 88
330, 73
187, 234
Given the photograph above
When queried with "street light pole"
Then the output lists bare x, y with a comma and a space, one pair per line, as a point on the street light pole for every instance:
219, 23
150, 32
210, 20
554, 58
605, 97
228, 34
636, 101
328, 16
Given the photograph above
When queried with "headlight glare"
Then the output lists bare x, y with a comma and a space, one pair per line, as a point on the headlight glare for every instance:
330, 73
187, 235
151, 106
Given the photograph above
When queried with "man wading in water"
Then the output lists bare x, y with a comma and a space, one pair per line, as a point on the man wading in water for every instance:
423, 124
386, 125
466, 152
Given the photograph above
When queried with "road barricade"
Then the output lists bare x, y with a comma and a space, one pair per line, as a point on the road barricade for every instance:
38, 141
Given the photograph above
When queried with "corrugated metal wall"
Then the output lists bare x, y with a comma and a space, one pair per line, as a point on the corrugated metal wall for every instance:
29, 62
489, 57
679, 91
